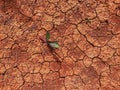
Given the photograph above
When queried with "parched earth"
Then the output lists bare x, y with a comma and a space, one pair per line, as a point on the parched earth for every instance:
88, 32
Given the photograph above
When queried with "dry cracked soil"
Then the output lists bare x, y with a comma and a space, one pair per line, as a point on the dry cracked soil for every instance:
88, 32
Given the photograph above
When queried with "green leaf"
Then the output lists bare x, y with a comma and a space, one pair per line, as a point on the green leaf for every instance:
47, 35
54, 44
87, 20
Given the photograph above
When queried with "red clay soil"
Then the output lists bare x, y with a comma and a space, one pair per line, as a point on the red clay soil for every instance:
88, 32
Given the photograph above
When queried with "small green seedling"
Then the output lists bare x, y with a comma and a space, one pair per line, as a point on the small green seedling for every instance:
52, 44
87, 20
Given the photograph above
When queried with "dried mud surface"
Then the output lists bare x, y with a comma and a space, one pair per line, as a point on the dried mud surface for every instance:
88, 32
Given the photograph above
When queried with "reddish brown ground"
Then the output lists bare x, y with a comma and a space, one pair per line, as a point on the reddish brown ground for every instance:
88, 32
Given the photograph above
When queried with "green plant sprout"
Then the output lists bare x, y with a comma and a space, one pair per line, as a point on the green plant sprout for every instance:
52, 44
87, 20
